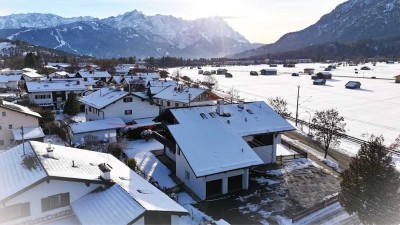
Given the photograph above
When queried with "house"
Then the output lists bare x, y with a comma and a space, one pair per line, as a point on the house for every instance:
113, 102
60, 66
215, 146
353, 85
13, 117
156, 86
98, 130
123, 69
53, 93
309, 71
319, 82
180, 96
96, 75
59, 74
324, 75
43, 183
269, 72
9, 81
397, 78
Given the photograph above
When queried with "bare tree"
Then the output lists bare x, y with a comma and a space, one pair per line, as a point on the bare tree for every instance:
233, 94
396, 144
177, 74
329, 125
210, 82
279, 104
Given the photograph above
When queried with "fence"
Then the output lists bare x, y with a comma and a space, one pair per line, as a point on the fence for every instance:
285, 158
327, 202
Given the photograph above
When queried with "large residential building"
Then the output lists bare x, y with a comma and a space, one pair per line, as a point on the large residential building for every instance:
13, 117
53, 93
214, 146
43, 183
113, 102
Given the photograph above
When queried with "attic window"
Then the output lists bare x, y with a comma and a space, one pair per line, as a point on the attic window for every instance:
203, 116
212, 114
249, 111
144, 191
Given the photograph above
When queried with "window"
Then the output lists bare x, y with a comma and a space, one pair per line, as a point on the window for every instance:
128, 99
16, 211
203, 116
168, 103
10, 126
176, 104
212, 114
90, 109
249, 111
1, 128
3, 114
128, 112
1, 142
55, 201
187, 175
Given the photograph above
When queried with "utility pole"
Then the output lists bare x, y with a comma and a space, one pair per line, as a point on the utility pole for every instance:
23, 144
297, 105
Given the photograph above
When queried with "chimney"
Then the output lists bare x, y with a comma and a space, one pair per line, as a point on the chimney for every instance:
105, 171
220, 107
50, 150
241, 104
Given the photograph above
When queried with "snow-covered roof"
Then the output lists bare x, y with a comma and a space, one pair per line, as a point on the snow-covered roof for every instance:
86, 168
117, 79
172, 93
325, 73
107, 124
29, 70
29, 133
110, 206
35, 86
215, 143
142, 123
19, 172
270, 70
59, 73
19, 108
103, 97
95, 74
161, 83
64, 65
9, 78
32, 75
211, 148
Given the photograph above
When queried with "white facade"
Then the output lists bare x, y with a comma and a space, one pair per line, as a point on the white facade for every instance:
35, 195
127, 111
9, 120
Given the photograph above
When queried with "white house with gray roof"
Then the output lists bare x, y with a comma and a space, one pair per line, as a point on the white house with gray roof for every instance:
113, 102
215, 146
42, 183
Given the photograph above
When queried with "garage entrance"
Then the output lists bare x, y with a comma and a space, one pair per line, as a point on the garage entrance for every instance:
213, 188
235, 183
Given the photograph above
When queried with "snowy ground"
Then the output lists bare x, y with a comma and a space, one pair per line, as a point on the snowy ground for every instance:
140, 150
373, 109
80, 117
282, 150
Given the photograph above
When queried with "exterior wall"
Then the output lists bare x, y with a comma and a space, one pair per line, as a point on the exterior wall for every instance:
198, 185
15, 119
170, 154
266, 153
13, 85
43, 190
45, 101
110, 135
139, 222
140, 109
174, 220
54, 97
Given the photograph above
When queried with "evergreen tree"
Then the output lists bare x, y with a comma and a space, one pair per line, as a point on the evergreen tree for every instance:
29, 61
72, 106
370, 186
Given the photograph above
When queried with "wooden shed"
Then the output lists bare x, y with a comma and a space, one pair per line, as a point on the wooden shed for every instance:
269, 72
353, 85
324, 75
397, 78
253, 73
309, 71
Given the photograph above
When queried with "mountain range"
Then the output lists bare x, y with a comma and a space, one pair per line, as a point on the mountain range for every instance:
130, 34
351, 21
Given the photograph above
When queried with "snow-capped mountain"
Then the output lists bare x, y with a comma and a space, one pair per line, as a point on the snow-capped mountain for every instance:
37, 20
350, 21
129, 34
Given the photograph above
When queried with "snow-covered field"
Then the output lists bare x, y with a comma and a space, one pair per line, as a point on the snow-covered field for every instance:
373, 109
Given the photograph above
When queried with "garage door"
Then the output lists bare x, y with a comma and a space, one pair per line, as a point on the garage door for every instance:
213, 188
235, 183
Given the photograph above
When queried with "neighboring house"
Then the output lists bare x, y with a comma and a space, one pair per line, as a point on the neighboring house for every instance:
215, 146
45, 183
10, 81
179, 96
123, 69
98, 130
12, 118
96, 75
113, 102
397, 78
324, 75
353, 85
29, 74
53, 94
269, 72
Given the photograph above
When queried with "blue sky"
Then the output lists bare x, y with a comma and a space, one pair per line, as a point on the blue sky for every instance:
262, 21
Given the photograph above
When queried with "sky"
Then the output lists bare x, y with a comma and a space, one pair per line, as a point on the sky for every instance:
260, 21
